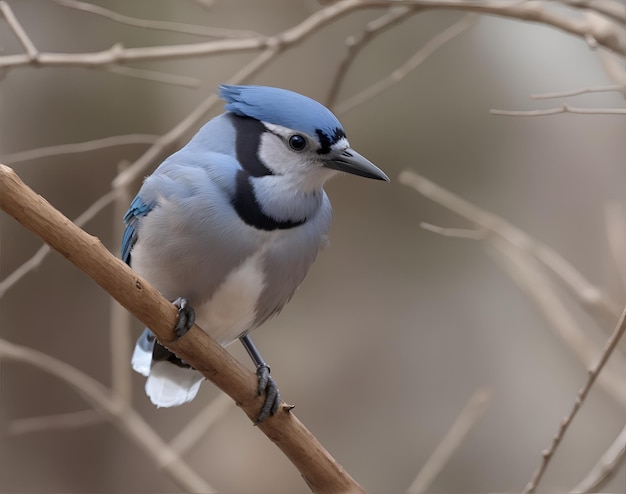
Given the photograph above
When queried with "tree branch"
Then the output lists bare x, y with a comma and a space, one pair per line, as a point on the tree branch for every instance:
121, 415
20, 33
593, 30
433, 44
610, 345
561, 109
175, 27
605, 467
321, 472
355, 44
472, 412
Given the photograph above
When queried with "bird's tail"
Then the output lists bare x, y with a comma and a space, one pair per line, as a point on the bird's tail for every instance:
171, 382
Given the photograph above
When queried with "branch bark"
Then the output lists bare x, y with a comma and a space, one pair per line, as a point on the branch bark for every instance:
319, 469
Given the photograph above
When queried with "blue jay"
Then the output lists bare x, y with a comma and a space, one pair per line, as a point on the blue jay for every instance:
228, 226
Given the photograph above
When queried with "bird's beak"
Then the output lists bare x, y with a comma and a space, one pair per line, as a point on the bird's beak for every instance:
350, 161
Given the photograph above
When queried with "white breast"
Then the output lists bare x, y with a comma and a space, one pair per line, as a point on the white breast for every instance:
232, 309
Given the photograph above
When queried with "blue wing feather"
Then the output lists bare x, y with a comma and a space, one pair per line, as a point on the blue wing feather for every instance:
138, 208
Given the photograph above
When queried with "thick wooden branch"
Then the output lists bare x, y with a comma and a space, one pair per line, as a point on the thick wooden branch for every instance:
319, 469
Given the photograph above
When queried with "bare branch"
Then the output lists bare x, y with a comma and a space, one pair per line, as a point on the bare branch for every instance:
577, 92
20, 33
321, 472
614, 67
127, 419
610, 8
525, 271
591, 29
473, 411
472, 234
521, 253
197, 427
610, 345
154, 76
605, 468
176, 27
562, 109
70, 420
589, 295
79, 147
355, 44
35, 261
439, 40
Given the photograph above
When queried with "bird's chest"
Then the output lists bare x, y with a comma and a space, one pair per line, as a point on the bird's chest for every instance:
231, 309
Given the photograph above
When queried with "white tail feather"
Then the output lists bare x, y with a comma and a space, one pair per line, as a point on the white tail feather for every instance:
169, 385
142, 360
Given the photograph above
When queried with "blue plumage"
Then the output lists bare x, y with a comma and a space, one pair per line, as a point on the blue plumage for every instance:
136, 210
229, 225
282, 107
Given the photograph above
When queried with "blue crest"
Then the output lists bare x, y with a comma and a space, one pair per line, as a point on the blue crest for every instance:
286, 108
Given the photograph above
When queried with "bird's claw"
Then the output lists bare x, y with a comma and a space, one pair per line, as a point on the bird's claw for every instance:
186, 317
268, 386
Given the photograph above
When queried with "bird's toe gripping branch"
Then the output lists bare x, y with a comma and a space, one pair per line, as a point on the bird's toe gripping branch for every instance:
186, 317
268, 386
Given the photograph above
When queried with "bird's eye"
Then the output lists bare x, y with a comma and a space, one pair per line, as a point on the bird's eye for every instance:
297, 142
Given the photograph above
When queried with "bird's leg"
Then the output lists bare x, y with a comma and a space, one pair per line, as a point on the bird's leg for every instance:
186, 317
266, 383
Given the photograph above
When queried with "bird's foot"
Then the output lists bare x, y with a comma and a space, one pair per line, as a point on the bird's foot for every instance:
268, 386
186, 317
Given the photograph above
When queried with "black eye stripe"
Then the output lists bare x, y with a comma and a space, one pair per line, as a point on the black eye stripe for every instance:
326, 140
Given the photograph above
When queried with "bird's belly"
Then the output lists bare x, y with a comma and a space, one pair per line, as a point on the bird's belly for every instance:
231, 309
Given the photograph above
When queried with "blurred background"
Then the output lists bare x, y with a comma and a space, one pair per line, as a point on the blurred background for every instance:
395, 327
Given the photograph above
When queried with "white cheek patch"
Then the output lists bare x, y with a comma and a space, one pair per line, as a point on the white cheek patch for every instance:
276, 155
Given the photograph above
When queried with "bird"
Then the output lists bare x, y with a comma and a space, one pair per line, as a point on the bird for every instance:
228, 226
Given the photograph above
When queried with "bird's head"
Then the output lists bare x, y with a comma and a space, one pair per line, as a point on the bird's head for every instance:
284, 133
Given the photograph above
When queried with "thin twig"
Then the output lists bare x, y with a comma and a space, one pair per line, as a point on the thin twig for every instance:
608, 36
43, 251
614, 10
355, 44
176, 27
20, 33
154, 76
124, 417
613, 66
472, 234
437, 41
579, 91
197, 427
590, 296
561, 109
547, 455
472, 412
79, 147
529, 275
605, 468
70, 420
521, 254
